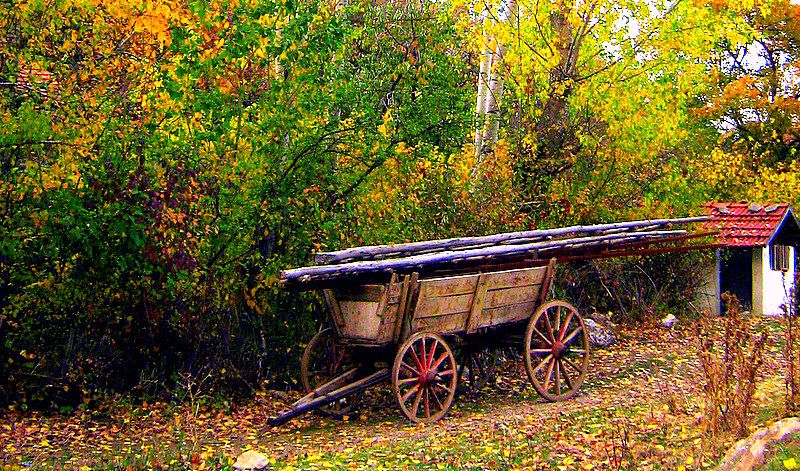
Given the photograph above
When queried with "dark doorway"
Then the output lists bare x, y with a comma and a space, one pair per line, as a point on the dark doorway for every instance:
736, 275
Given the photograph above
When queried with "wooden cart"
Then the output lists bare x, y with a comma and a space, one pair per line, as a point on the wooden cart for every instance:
406, 330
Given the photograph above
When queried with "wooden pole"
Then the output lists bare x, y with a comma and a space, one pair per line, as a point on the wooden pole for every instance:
472, 255
380, 252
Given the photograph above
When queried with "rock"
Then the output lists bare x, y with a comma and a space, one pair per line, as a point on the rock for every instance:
669, 321
252, 461
748, 453
599, 335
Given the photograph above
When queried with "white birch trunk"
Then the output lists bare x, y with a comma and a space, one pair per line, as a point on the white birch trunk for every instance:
493, 95
480, 104
493, 98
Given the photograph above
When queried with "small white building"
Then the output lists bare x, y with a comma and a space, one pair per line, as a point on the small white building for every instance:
757, 257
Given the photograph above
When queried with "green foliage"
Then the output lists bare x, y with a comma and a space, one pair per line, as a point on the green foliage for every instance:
161, 163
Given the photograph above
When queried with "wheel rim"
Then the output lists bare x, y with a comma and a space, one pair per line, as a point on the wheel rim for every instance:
323, 359
424, 377
480, 364
556, 351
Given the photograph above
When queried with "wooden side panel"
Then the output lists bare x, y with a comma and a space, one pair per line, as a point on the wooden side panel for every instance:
368, 312
450, 323
333, 308
511, 296
510, 313
443, 304
501, 297
451, 286
515, 278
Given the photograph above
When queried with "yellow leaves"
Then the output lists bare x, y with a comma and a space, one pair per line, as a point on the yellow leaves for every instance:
386, 127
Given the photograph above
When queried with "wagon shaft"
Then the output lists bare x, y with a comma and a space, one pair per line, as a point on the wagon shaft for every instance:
319, 397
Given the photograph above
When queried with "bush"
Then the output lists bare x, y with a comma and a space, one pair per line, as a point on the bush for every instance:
731, 366
635, 289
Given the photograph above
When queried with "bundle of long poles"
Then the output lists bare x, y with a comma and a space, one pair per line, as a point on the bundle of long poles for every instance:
531, 247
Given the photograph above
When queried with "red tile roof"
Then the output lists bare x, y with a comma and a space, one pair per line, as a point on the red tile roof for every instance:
746, 224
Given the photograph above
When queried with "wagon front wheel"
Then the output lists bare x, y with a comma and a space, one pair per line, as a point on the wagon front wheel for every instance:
324, 359
424, 377
556, 350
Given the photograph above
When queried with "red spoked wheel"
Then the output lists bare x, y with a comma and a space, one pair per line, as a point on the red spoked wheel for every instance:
556, 350
324, 359
424, 377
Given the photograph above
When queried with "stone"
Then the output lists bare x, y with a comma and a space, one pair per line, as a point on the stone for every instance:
669, 321
251, 461
748, 453
599, 335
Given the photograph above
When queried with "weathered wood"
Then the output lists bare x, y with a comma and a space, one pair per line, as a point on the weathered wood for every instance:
446, 324
379, 252
442, 305
506, 296
450, 286
483, 255
333, 308
476, 310
405, 293
547, 282
371, 293
514, 278
507, 314
313, 400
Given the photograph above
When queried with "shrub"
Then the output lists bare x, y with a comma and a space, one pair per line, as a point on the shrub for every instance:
730, 366
633, 288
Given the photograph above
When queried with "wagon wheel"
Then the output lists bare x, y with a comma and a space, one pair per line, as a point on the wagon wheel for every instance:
476, 367
556, 350
424, 377
324, 359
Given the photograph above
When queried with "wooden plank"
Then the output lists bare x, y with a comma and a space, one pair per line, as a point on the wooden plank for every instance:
395, 290
405, 292
442, 305
333, 309
408, 316
547, 282
373, 293
515, 295
361, 319
386, 327
476, 310
311, 401
448, 324
507, 314
514, 278
450, 286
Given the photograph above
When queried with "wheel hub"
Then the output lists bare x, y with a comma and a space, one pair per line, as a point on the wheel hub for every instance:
558, 349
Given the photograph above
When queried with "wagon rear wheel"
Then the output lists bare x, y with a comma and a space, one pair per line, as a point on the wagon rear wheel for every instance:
476, 368
424, 377
324, 359
556, 350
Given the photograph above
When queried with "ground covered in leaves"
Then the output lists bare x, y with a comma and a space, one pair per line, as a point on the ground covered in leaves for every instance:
640, 408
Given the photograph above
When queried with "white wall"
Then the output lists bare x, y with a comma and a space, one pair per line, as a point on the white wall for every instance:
775, 284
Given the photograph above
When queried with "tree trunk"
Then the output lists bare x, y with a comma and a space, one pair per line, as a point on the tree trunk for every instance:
480, 104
